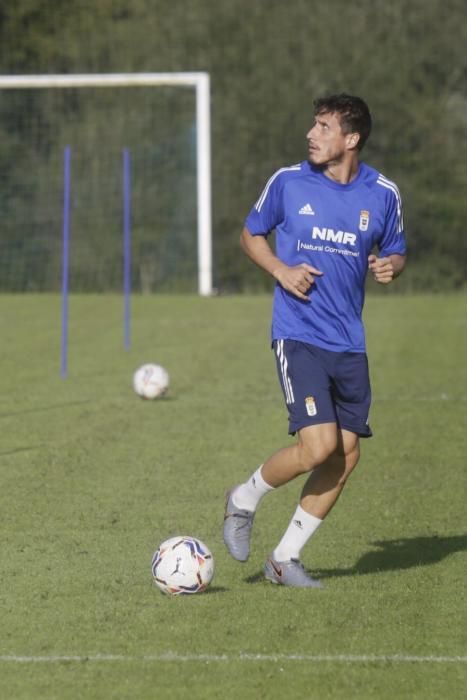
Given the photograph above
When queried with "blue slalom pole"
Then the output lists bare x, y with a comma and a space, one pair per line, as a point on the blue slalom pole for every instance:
126, 246
65, 260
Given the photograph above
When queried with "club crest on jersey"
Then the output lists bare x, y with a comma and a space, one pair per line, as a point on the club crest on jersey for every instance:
311, 406
364, 220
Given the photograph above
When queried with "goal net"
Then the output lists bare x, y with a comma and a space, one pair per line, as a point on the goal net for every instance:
161, 123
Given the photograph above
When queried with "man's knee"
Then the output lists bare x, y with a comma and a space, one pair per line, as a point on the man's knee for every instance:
348, 454
346, 470
316, 445
321, 444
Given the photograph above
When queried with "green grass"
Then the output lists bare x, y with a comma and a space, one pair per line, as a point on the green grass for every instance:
92, 479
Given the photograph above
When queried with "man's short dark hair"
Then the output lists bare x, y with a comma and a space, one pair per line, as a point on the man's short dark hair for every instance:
352, 111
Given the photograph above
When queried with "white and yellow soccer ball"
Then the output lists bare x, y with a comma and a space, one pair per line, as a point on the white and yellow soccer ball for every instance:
182, 565
151, 381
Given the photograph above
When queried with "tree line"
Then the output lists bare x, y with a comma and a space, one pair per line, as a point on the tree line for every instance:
268, 60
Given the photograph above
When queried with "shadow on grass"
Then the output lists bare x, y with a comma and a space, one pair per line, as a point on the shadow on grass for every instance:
21, 449
158, 399
210, 590
394, 555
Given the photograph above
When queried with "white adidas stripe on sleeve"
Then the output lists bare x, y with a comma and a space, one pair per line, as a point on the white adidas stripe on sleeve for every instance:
264, 193
384, 182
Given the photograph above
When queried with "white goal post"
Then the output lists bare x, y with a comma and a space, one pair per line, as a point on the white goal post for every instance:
201, 83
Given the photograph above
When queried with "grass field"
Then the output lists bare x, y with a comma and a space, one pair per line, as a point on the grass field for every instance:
93, 478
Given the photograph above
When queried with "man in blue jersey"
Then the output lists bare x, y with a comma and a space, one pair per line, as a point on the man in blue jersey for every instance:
335, 218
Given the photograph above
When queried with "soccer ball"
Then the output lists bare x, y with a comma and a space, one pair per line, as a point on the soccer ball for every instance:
150, 381
182, 565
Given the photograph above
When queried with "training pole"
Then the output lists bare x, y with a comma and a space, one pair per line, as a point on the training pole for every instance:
126, 247
65, 261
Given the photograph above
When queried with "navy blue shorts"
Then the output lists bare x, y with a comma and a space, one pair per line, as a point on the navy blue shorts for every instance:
321, 386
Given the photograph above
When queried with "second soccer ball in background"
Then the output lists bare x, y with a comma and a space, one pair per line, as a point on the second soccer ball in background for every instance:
151, 381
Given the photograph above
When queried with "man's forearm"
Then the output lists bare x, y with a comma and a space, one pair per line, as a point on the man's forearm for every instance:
398, 264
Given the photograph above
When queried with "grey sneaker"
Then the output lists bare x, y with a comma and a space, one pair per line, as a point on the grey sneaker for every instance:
237, 529
289, 573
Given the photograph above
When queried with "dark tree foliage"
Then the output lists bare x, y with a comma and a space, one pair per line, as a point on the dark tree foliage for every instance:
268, 60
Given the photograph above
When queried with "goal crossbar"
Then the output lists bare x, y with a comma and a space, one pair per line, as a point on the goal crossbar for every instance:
201, 82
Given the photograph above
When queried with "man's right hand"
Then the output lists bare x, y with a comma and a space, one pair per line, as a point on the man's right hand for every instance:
298, 279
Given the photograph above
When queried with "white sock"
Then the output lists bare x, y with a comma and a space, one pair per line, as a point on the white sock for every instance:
248, 495
300, 529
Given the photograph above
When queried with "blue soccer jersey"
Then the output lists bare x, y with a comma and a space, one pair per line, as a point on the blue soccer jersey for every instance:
333, 227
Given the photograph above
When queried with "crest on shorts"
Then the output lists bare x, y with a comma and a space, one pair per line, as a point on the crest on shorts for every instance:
311, 406
364, 220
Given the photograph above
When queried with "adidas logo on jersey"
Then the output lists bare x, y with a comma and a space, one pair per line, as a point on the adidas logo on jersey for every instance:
307, 209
